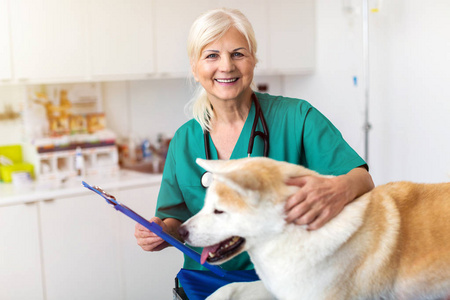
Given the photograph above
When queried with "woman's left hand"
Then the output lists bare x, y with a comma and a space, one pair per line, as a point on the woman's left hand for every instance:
320, 199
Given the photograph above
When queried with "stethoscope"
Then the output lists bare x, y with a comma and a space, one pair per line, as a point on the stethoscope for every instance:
207, 177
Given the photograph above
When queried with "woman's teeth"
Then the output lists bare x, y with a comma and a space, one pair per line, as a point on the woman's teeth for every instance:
226, 80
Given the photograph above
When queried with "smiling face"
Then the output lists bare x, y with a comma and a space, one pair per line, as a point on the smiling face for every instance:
225, 67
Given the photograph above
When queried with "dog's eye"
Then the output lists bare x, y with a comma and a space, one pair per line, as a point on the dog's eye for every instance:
218, 212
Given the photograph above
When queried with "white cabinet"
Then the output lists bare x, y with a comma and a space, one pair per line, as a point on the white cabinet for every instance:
144, 278
79, 248
70, 40
121, 37
292, 36
20, 261
5, 48
173, 19
49, 39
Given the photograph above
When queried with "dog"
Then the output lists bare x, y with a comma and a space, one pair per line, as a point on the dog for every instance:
391, 243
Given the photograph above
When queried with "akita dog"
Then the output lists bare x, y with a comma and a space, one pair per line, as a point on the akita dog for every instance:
391, 243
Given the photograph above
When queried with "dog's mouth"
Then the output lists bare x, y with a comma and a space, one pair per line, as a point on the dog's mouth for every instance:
223, 251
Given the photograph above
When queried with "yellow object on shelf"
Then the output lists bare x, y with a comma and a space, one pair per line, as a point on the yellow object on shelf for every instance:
14, 154
6, 172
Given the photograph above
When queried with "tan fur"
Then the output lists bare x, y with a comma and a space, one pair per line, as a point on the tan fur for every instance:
265, 181
232, 198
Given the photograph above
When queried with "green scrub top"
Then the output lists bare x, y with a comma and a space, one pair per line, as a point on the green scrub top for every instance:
298, 133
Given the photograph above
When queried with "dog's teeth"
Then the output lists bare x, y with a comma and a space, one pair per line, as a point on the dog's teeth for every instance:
211, 254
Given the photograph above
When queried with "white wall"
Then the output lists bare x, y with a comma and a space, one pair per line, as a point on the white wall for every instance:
409, 79
11, 131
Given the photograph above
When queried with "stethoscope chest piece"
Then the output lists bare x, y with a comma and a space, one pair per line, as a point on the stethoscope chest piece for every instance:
207, 179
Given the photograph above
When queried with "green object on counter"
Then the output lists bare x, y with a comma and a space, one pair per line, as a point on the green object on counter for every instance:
14, 154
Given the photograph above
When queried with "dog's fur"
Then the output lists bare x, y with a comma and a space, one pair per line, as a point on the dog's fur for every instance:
391, 243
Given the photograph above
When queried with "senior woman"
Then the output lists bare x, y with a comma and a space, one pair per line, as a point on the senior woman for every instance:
222, 51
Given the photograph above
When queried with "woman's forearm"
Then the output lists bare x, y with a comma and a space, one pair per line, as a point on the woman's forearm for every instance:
358, 182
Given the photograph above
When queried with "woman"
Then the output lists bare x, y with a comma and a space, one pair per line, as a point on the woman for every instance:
222, 52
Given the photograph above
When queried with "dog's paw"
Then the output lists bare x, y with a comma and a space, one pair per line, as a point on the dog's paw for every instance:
242, 291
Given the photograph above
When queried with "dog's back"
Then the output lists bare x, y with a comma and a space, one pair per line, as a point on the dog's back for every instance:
406, 241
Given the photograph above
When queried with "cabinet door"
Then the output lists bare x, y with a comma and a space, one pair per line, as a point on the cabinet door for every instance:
80, 253
148, 275
292, 36
49, 39
5, 49
173, 19
20, 261
121, 37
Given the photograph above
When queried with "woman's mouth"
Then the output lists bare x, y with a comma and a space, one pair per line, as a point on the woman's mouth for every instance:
226, 80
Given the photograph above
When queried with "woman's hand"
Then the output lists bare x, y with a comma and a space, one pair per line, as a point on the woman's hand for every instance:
150, 241
320, 199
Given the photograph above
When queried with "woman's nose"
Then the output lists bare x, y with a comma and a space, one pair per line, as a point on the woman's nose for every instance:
226, 64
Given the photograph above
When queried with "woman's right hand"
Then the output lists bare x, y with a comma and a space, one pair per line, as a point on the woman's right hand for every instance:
147, 239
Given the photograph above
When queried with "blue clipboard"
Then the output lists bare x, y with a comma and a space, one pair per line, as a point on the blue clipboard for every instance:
155, 228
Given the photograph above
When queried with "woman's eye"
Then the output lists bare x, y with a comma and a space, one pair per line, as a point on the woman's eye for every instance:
237, 54
212, 55
218, 212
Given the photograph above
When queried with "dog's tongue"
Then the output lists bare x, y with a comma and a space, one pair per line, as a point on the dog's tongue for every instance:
206, 252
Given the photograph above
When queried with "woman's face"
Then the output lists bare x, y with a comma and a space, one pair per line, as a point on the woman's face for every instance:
225, 67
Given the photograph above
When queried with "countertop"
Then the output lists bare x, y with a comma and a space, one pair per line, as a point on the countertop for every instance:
11, 194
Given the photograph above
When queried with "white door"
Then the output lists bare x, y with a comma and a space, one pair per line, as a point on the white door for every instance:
172, 23
148, 275
121, 37
80, 253
49, 39
20, 261
5, 49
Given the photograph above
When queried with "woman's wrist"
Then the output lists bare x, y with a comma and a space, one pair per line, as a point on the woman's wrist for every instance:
357, 182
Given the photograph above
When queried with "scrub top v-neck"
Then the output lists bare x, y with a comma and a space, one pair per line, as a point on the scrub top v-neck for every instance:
299, 134
241, 147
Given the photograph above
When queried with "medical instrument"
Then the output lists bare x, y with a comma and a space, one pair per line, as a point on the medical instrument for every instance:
155, 228
206, 178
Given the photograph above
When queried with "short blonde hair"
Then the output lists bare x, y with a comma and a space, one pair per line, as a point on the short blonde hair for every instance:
207, 28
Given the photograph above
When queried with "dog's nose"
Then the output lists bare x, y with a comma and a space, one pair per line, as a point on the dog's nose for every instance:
183, 232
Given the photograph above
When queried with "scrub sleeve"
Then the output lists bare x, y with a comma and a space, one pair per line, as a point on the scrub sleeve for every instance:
298, 133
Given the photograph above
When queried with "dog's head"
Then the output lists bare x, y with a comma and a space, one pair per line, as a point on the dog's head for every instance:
244, 204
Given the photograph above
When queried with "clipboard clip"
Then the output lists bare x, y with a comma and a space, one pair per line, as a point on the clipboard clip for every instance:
108, 197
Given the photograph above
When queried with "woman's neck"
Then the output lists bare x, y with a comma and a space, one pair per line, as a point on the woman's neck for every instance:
231, 112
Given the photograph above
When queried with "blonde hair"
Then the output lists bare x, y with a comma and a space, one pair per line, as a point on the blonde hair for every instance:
207, 28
